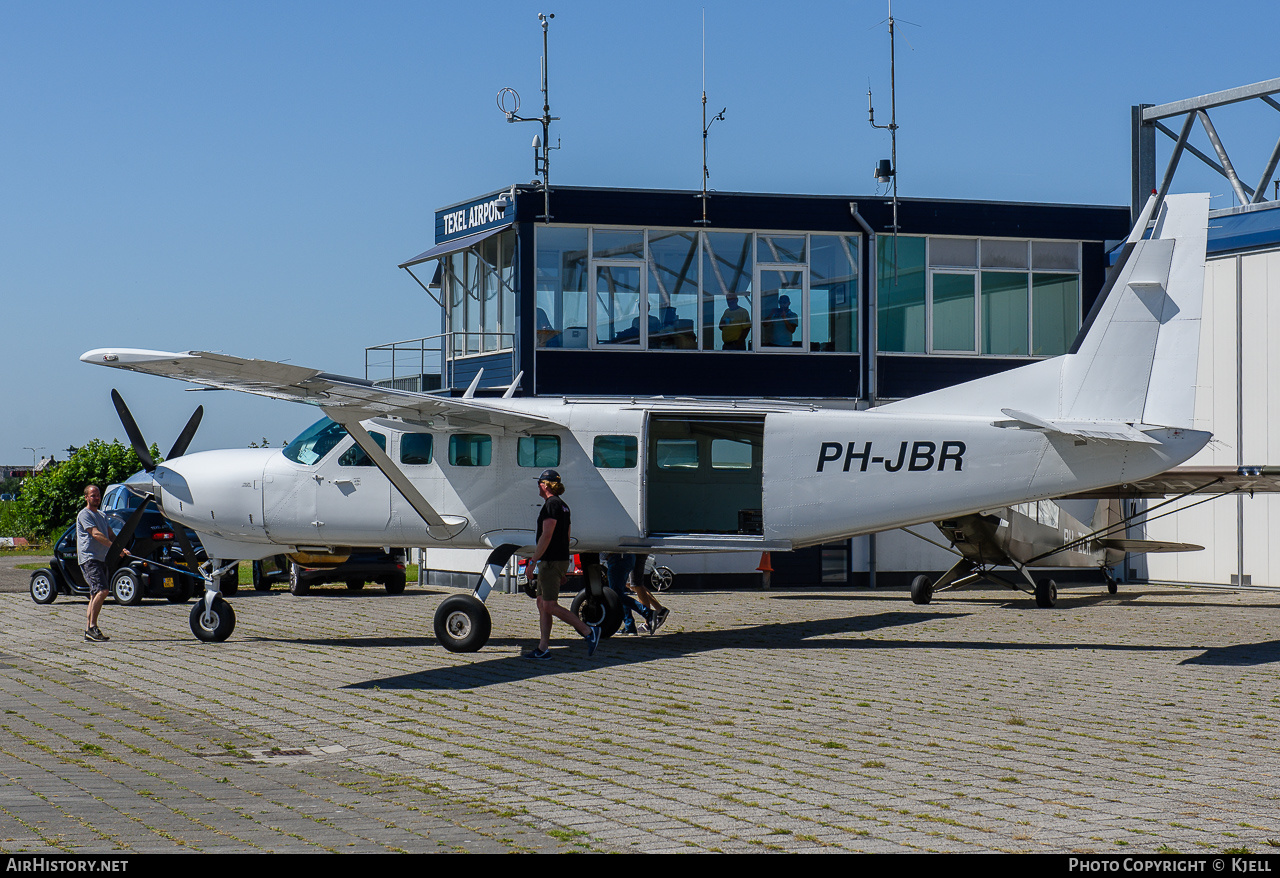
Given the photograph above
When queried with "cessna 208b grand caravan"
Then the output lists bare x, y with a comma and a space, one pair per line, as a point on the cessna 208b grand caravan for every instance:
374, 471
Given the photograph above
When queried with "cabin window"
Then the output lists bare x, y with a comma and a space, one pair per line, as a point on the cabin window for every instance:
730, 454
355, 456
415, 448
615, 452
676, 454
470, 449
538, 451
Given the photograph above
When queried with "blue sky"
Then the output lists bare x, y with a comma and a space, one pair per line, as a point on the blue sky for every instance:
245, 177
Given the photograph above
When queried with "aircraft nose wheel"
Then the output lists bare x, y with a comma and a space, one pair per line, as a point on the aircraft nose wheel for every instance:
462, 623
217, 625
921, 590
1046, 593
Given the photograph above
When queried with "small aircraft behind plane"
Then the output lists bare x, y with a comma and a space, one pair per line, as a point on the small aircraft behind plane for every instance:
386, 467
1042, 533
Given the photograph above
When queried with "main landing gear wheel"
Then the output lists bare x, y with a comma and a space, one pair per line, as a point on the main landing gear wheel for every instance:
921, 590
43, 588
218, 625
1046, 593
125, 587
590, 610
462, 623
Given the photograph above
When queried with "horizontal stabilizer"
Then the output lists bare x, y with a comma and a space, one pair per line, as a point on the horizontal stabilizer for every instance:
1143, 547
1118, 431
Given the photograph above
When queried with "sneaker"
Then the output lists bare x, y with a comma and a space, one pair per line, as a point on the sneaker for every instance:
593, 639
628, 629
536, 653
642, 628
93, 635
659, 618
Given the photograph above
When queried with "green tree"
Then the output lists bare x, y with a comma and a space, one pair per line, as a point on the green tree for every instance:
52, 498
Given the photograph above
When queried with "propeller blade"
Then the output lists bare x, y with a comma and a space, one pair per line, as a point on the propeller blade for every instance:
135, 435
184, 438
188, 554
125, 536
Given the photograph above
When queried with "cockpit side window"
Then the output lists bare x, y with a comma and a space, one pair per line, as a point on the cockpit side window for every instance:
355, 456
315, 442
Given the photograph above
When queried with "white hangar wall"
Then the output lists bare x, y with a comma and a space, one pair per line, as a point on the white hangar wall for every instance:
1238, 399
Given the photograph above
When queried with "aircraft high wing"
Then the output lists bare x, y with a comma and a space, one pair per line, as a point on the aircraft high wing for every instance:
1044, 534
391, 467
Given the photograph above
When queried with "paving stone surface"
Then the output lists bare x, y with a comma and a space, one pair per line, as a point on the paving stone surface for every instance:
793, 720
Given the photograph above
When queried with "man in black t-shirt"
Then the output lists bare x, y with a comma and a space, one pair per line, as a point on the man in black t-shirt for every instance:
551, 561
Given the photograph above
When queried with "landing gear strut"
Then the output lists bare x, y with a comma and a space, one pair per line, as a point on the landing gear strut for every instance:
462, 621
212, 619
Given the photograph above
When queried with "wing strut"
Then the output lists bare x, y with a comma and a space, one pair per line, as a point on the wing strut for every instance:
439, 527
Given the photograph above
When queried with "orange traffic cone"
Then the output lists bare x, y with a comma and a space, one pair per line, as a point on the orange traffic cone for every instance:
766, 570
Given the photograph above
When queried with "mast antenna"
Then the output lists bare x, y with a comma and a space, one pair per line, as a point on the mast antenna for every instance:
706, 126
509, 104
887, 169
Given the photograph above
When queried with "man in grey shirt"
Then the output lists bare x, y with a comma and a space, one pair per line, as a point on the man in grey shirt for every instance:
93, 539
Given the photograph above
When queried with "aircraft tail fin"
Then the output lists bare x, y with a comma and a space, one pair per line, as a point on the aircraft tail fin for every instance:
1134, 363
1136, 360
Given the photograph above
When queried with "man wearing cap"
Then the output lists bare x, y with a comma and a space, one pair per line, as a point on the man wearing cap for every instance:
551, 561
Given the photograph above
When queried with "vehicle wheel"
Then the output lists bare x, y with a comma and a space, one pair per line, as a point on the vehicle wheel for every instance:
661, 578
297, 585
259, 580
181, 593
921, 589
1046, 593
396, 584
231, 581
44, 588
608, 617
219, 625
125, 587
355, 585
462, 623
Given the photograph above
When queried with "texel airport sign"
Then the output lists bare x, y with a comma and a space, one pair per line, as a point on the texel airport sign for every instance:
468, 219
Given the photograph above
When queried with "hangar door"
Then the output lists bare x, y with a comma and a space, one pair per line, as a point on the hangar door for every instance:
705, 474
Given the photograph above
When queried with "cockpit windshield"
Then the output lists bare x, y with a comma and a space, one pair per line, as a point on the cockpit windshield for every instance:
315, 442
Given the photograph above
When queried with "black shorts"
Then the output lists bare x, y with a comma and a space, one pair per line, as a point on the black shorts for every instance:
95, 575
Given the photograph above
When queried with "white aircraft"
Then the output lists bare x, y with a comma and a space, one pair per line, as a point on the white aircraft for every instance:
387, 467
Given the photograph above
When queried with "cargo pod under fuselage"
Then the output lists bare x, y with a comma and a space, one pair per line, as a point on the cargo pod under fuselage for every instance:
704, 474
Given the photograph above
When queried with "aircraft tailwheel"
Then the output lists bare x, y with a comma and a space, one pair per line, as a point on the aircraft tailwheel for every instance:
462, 623
921, 590
217, 625
1112, 585
606, 614
1046, 593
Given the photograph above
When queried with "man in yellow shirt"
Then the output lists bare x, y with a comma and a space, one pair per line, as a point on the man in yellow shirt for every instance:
735, 324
